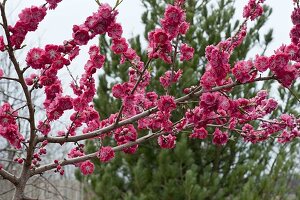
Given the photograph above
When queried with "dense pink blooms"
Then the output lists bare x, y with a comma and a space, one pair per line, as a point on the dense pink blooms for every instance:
199, 133
261, 63
119, 45
130, 150
295, 34
296, 16
122, 90
174, 15
160, 36
169, 78
29, 18
166, 104
242, 71
105, 154
53, 3
8, 126
252, 10
167, 141
218, 62
186, 52
285, 136
36, 58
12, 135
87, 167
115, 30
219, 137
81, 34
183, 28
125, 134
143, 109
74, 153
2, 45
293, 51
44, 127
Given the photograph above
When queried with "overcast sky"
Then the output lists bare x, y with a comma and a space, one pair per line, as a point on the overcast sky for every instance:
57, 25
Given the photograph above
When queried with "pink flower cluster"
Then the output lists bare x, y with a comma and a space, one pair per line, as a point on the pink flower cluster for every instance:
169, 78
215, 108
286, 124
87, 167
220, 138
105, 154
217, 68
243, 71
9, 128
167, 141
253, 9
124, 135
53, 3
173, 24
75, 153
29, 20
2, 45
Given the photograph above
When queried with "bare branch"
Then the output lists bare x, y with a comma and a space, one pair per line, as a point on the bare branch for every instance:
6, 175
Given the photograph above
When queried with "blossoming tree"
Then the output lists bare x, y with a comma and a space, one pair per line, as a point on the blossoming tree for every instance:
141, 109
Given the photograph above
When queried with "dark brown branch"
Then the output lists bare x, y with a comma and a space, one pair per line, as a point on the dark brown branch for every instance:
24, 87
9, 78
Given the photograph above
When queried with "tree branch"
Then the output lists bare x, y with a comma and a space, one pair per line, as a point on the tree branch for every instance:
132, 119
6, 175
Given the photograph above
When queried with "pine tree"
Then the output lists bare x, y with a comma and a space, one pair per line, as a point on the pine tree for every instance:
194, 169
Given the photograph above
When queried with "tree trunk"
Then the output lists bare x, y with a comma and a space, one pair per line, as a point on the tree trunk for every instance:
20, 186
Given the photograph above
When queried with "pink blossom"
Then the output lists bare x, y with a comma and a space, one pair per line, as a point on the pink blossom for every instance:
105, 154
166, 104
81, 34
53, 3
167, 141
285, 137
174, 15
296, 16
119, 45
184, 26
12, 135
36, 58
220, 138
2, 45
87, 167
160, 37
242, 71
44, 127
208, 80
33, 14
74, 153
186, 52
252, 10
169, 78
115, 30
295, 34
126, 133
131, 150
199, 133
261, 63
